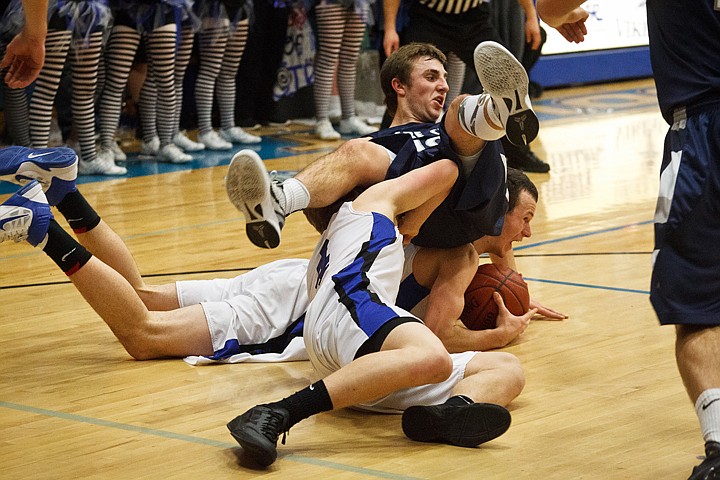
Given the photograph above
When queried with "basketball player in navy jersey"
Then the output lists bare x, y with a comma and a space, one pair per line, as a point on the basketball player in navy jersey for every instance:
413, 79
685, 56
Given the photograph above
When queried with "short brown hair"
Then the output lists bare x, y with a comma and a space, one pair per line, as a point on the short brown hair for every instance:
400, 65
517, 182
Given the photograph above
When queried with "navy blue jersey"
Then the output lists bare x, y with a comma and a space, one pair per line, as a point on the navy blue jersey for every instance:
476, 205
685, 52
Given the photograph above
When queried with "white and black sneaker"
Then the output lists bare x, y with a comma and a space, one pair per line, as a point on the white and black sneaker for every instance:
505, 79
252, 191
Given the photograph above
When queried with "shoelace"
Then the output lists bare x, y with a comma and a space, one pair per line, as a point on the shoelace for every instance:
271, 423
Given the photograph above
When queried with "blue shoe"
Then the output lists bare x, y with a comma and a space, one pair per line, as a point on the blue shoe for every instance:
26, 215
54, 168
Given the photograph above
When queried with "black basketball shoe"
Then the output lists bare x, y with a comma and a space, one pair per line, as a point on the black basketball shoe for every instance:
709, 469
257, 431
460, 425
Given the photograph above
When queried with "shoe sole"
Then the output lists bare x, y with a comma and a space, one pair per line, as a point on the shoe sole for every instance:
57, 175
41, 169
465, 427
261, 454
502, 76
247, 184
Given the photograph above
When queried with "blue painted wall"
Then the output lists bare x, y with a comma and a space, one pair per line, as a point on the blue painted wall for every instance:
592, 67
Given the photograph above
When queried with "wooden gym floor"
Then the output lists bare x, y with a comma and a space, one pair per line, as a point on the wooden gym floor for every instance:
603, 398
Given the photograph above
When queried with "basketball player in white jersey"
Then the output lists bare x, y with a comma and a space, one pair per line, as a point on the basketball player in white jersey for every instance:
256, 316
371, 353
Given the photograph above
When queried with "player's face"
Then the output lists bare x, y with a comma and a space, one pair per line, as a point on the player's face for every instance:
516, 226
427, 90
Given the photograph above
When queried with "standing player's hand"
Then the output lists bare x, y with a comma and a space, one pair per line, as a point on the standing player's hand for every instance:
391, 42
574, 29
24, 58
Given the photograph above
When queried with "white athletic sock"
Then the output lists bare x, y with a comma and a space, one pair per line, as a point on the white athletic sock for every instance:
477, 117
468, 162
297, 196
708, 412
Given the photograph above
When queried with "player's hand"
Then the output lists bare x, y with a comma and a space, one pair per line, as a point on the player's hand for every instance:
532, 32
574, 29
546, 312
25, 57
510, 326
391, 42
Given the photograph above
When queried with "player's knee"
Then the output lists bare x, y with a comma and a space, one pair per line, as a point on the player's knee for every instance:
139, 343
363, 160
512, 371
138, 349
433, 366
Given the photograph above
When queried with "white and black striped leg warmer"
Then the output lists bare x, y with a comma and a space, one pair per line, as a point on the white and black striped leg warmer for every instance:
57, 45
84, 60
347, 64
226, 83
161, 65
119, 54
213, 42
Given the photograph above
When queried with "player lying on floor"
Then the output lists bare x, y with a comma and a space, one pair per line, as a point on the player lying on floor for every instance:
259, 312
111, 284
413, 80
371, 353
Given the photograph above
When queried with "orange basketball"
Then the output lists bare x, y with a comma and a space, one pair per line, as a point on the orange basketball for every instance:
480, 310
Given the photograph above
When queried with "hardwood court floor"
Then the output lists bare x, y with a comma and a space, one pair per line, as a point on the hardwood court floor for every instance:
603, 398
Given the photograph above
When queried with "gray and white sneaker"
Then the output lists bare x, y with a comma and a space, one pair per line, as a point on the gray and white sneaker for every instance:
238, 135
149, 150
104, 164
186, 143
213, 141
252, 191
505, 79
354, 125
171, 153
118, 154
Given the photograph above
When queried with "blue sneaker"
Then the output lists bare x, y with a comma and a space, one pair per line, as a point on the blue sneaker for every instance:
54, 168
26, 215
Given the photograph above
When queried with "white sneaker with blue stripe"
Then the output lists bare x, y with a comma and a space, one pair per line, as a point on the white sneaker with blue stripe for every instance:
26, 215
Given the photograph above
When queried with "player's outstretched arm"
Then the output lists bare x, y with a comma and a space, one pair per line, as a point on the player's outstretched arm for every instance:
556, 12
566, 16
25, 54
415, 194
391, 40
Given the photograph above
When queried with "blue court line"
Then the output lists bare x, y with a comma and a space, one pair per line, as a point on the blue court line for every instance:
587, 285
581, 235
193, 439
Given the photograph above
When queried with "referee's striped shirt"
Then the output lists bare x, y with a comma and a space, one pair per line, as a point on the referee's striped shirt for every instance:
450, 6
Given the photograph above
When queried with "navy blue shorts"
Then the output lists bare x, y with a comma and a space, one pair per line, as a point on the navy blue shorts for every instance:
685, 285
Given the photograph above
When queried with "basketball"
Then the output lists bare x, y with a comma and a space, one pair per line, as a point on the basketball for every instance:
481, 311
